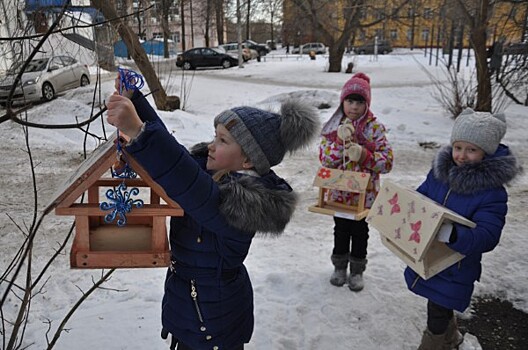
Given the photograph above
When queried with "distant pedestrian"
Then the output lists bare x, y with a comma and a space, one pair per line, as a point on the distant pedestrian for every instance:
495, 54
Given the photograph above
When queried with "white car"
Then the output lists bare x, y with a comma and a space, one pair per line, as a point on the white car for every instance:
318, 48
44, 78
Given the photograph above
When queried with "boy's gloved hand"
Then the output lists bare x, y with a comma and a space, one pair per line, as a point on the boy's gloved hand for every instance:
353, 151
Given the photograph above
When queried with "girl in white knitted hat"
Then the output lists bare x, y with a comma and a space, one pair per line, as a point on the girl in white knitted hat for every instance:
467, 177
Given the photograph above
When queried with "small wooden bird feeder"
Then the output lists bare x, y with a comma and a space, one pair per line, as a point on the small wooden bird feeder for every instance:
409, 223
141, 242
342, 180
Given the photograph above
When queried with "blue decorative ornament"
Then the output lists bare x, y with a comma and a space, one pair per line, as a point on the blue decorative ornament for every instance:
121, 204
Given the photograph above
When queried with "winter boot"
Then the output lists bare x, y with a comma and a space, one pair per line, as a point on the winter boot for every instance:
355, 280
340, 262
453, 337
432, 341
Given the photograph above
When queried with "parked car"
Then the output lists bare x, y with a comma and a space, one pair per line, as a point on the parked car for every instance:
271, 44
516, 49
318, 48
261, 49
247, 53
384, 47
205, 57
44, 78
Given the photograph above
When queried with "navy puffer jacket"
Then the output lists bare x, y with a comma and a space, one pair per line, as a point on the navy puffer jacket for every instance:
475, 191
208, 300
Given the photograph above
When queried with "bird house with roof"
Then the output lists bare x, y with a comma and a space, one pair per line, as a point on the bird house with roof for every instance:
343, 180
127, 229
410, 224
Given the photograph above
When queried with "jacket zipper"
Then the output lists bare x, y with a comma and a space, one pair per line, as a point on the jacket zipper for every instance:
194, 296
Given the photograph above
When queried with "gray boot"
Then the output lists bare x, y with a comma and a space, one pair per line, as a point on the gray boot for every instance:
453, 336
355, 280
432, 341
340, 262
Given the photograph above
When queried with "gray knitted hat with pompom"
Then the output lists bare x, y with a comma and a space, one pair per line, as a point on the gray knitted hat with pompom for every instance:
265, 137
482, 129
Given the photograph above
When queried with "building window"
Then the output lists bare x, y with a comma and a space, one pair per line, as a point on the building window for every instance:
378, 14
428, 13
379, 33
394, 34
409, 34
363, 13
425, 35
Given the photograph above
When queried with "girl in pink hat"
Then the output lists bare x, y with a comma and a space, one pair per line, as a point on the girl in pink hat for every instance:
353, 139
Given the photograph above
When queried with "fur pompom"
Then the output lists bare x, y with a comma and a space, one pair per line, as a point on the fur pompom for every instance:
300, 124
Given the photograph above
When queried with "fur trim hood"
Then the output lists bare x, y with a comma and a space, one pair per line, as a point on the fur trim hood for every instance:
493, 171
257, 204
263, 204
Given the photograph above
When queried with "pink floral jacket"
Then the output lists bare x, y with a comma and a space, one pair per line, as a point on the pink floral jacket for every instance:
369, 133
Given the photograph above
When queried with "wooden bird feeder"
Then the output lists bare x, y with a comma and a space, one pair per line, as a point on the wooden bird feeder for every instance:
342, 180
409, 223
141, 242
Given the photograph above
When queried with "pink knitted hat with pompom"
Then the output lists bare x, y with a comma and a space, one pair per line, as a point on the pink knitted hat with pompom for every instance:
359, 84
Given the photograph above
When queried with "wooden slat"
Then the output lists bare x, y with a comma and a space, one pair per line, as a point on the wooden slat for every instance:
93, 194
82, 233
116, 259
92, 209
159, 233
114, 182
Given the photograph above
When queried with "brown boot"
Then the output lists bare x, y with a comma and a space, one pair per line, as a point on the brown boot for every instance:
432, 341
453, 337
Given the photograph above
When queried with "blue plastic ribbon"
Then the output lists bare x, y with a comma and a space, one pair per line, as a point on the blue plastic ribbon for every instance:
121, 202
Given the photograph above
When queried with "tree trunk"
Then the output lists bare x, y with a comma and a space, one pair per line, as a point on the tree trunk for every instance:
165, 26
484, 96
335, 57
182, 15
219, 11
138, 55
248, 32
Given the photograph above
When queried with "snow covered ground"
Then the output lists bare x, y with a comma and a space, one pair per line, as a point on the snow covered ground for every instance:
295, 305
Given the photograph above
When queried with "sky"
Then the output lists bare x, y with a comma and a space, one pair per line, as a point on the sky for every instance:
295, 305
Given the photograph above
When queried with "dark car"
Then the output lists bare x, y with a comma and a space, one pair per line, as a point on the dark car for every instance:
205, 57
384, 47
516, 49
261, 49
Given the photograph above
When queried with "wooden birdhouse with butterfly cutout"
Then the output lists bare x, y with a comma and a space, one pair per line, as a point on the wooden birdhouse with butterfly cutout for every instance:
343, 180
411, 225
120, 221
